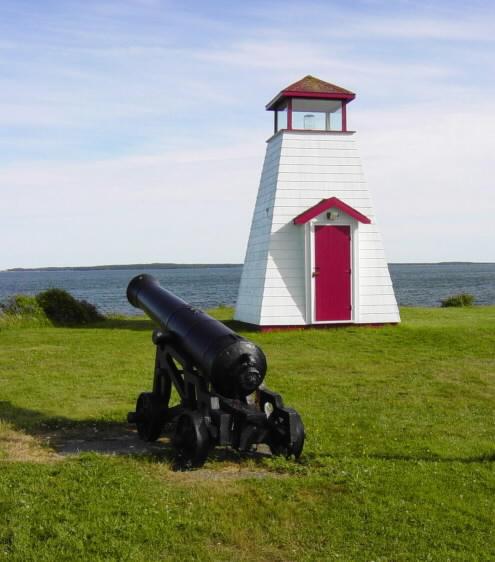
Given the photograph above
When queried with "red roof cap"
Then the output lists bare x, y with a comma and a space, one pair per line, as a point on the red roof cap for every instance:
311, 87
326, 204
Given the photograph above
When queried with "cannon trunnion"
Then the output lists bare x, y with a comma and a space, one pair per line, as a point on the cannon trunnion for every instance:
218, 377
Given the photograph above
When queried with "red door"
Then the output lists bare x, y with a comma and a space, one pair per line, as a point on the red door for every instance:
332, 273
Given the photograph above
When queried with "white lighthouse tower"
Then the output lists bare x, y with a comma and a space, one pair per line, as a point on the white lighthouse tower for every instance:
315, 254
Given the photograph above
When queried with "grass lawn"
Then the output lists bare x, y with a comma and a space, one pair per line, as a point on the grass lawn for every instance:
399, 462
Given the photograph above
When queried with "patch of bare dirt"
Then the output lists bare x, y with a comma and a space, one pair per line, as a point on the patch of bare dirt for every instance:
222, 474
17, 446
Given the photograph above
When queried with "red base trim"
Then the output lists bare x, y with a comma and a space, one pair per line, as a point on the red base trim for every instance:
256, 328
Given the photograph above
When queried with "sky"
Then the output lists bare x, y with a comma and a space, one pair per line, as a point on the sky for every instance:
134, 131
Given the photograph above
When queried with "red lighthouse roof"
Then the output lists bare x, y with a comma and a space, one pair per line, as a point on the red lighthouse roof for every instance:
311, 87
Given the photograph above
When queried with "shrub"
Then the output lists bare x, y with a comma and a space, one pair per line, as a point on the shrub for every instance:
463, 299
65, 310
22, 305
22, 310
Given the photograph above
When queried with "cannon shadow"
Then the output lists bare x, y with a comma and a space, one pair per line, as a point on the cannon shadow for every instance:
66, 437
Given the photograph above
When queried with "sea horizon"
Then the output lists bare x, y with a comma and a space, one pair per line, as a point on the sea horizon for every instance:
173, 265
212, 285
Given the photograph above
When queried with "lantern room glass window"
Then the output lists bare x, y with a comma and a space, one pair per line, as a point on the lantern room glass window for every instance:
317, 115
281, 118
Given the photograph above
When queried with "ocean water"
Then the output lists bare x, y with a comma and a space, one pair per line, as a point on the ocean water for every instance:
202, 287
414, 284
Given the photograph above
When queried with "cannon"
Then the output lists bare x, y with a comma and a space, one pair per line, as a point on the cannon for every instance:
218, 380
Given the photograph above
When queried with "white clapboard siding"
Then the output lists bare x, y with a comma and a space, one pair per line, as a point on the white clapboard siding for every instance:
377, 277
376, 290
340, 152
319, 143
373, 275
311, 190
250, 297
301, 169
317, 177
275, 283
384, 318
306, 168
285, 291
282, 315
291, 206
281, 321
366, 244
374, 300
289, 213
371, 264
318, 161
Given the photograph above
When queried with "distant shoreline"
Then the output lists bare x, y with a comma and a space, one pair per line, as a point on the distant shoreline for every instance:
199, 265
127, 266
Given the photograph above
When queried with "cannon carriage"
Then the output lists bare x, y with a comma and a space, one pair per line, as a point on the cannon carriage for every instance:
218, 376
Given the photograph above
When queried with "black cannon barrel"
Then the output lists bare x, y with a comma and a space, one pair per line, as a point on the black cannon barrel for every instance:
235, 366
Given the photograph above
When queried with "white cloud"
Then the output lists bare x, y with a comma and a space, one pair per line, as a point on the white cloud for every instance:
429, 169
183, 206
410, 27
430, 174
178, 99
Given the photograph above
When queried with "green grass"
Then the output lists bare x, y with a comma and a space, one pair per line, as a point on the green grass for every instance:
398, 463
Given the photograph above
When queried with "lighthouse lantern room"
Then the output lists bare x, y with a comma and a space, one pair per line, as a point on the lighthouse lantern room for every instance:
314, 255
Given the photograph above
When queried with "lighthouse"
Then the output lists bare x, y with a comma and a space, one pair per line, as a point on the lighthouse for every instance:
314, 255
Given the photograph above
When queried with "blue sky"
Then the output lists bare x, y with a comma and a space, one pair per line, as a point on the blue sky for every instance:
134, 131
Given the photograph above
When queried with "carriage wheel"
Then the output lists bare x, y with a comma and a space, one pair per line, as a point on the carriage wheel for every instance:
150, 416
281, 442
191, 440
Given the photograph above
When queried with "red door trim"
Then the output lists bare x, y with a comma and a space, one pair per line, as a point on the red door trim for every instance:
326, 204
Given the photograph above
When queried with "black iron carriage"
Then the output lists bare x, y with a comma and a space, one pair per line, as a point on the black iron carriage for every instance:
218, 376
